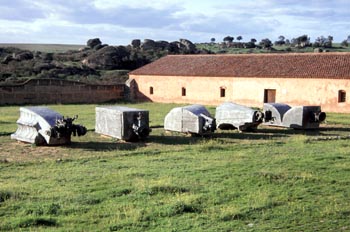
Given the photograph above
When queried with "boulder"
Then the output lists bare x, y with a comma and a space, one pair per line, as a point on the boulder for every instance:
83, 49
148, 44
92, 43
108, 57
175, 47
190, 47
7, 59
161, 44
136, 43
25, 55
41, 66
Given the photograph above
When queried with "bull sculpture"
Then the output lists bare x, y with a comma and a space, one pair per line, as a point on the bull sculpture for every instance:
192, 119
43, 126
129, 124
64, 127
297, 117
234, 116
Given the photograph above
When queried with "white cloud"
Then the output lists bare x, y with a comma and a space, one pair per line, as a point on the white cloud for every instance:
118, 22
154, 4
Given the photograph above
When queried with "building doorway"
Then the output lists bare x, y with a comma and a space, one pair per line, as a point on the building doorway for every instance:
269, 96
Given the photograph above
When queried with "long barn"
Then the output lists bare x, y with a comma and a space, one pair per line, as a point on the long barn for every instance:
249, 79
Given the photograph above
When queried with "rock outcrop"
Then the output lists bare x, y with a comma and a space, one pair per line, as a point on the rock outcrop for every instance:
136, 43
25, 55
183, 46
94, 43
190, 47
108, 58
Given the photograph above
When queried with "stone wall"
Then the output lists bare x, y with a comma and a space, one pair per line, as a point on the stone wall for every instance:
53, 91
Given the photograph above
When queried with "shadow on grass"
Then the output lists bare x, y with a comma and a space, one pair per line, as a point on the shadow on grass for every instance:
289, 131
106, 146
174, 138
338, 129
322, 131
275, 132
6, 133
249, 135
5, 122
180, 139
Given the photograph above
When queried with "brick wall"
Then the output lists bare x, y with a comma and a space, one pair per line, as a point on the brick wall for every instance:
52, 91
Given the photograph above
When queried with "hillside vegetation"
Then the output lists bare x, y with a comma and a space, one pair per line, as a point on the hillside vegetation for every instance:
94, 63
270, 180
220, 49
48, 48
103, 64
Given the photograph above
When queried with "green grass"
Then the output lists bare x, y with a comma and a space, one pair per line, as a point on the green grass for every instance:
44, 47
270, 180
211, 47
216, 48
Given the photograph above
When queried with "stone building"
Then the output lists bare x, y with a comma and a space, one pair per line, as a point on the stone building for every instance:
248, 79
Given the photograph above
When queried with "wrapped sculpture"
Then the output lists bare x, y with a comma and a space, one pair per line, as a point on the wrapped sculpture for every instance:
297, 117
193, 119
234, 116
123, 123
43, 126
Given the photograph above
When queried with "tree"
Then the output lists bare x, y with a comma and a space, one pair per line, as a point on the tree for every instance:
301, 41
323, 42
265, 43
329, 41
280, 41
345, 43
253, 40
228, 39
250, 44
212, 40
239, 38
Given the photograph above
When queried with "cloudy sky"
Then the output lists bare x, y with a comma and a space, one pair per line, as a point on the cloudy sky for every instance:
117, 22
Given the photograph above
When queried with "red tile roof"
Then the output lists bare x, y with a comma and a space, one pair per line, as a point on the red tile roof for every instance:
288, 65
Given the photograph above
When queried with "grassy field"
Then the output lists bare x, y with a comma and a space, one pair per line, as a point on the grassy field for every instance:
216, 48
211, 47
44, 47
270, 180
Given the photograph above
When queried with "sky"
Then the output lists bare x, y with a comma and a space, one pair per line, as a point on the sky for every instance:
118, 22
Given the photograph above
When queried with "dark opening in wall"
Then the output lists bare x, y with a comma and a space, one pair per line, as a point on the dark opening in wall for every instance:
222, 92
341, 96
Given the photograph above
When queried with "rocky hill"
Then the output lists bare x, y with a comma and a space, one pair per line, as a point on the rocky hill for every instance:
94, 63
